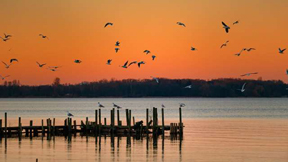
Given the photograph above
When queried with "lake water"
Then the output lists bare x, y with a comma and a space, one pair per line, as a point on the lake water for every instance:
222, 130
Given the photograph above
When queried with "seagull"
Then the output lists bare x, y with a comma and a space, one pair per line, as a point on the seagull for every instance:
108, 23
188, 87
243, 88
248, 74
118, 107
141, 62
77, 61
43, 36
69, 114
250, 49
109, 62
13, 59
225, 44
54, 67
40, 65
226, 27
181, 24
281, 51
117, 43
238, 54
153, 57
7, 35
4, 77
6, 65
117, 49
4, 39
133, 62
193, 49
147, 52
125, 65
236, 22
163, 106
100, 105
156, 79
182, 105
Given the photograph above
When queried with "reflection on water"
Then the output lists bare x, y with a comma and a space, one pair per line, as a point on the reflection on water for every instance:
221, 140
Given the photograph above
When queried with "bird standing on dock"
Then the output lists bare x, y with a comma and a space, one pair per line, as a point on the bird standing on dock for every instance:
100, 105
69, 114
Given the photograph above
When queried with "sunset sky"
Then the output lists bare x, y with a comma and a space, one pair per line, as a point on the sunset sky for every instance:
76, 31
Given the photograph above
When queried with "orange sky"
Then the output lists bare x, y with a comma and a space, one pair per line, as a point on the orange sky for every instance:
75, 29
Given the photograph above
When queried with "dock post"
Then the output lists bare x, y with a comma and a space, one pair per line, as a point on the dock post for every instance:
1, 132
54, 126
113, 121
31, 125
19, 128
100, 123
96, 122
43, 130
130, 114
180, 122
118, 117
154, 121
75, 128
5, 125
87, 125
163, 131
147, 121
133, 120
105, 121
69, 126
127, 118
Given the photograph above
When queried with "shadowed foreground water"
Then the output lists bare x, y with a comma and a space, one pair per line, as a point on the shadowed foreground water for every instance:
238, 136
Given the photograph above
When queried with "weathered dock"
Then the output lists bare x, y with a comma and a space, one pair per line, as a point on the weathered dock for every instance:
96, 127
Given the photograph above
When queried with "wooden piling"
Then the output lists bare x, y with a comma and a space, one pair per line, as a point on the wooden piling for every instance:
1, 131
127, 117
69, 126
133, 120
154, 121
118, 117
19, 128
180, 122
36, 160
54, 127
163, 131
130, 114
43, 130
75, 127
87, 124
147, 121
100, 123
31, 125
96, 123
5, 125
48, 130
105, 121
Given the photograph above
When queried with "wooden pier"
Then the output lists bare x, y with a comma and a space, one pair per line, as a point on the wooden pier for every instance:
95, 127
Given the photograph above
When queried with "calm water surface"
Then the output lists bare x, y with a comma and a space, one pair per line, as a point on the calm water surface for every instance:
224, 130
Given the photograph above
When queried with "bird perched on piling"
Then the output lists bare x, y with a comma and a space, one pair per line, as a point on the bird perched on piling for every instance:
100, 105
116, 106
182, 105
69, 114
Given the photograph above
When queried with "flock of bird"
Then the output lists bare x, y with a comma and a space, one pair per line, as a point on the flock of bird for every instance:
127, 64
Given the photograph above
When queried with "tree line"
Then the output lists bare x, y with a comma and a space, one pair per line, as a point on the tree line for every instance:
149, 88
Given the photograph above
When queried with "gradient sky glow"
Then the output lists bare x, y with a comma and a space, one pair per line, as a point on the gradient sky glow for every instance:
75, 29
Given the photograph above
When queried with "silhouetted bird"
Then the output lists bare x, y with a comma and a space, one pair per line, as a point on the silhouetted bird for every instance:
281, 51
100, 105
117, 49
141, 62
40, 65
181, 24
117, 43
236, 22
77, 61
43, 36
156, 79
243, 88
125, 65
69, 114
7, 35
13, 59
248, 74
109, 23
226, 27
4, 39
109, 62
118, 107
193, 49
224, 44
153, 57
131, 63
4, 77
250, 49
147, 52
6, 65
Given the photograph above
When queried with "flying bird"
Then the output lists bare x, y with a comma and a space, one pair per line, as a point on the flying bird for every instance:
117, 43
250, 49
281, 51
141, 62
188, 87
238, 54
43, 36
100, 105
117, 49
131, 63
3, 77
125, 65
54, 67
109, 23
6, 65
7, 35
109, 62
243, 88
77, 61
226, 27
4, 39
117, 106
236, 22
153, 57
193, 49
156, 79
40, 65
224, 44
181, 24
13, 59
69, 114
248, 74
147, 52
